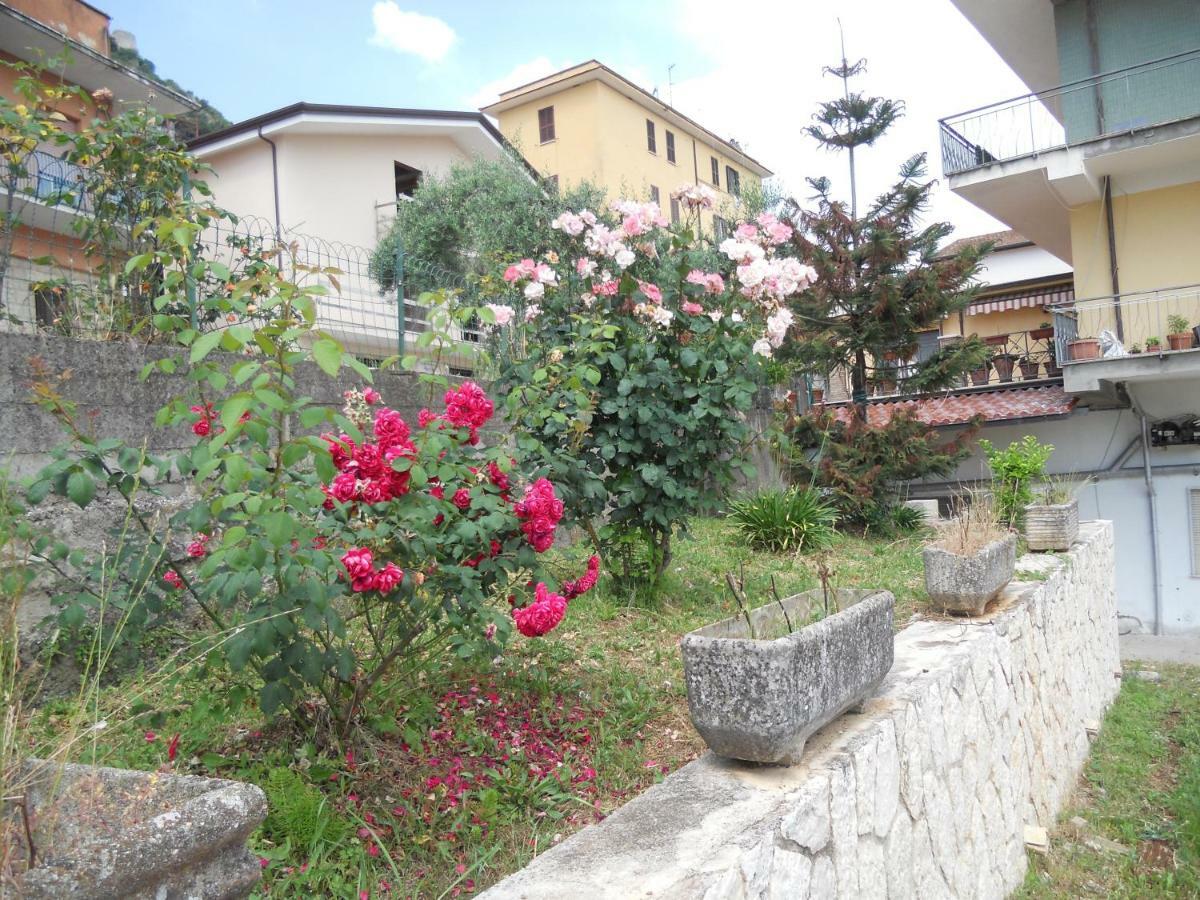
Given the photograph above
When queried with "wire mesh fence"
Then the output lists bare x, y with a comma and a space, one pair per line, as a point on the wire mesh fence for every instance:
52, 280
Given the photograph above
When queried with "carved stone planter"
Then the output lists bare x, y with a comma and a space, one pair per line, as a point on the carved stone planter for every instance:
115, 833
1052, 527
966, 584
760, 700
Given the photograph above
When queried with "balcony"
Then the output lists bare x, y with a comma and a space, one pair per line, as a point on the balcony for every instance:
1027, 159
54, 185
1129, 337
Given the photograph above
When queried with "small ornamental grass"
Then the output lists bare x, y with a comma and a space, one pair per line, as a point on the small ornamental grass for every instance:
782, 521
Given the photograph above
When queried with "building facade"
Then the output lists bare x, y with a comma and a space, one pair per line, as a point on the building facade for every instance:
43, 257
327, 179
1100, 166
588, 123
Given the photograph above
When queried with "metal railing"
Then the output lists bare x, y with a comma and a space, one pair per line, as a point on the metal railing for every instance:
1160, 321
47, 178
1117, 102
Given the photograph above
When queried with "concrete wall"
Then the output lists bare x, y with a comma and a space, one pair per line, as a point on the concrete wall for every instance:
103, 381
977, 731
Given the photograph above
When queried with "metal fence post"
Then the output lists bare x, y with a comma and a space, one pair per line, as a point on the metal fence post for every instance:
400, 310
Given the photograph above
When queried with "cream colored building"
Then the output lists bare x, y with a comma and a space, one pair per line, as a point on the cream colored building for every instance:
337, 171
588, 123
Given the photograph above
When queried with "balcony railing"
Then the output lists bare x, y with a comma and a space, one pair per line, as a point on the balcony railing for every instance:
1161, 321
1118, 102
54, 181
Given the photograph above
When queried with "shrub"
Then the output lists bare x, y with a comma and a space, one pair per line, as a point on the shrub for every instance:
796, 519
861, 467
1014, 469
906, 518
642, 351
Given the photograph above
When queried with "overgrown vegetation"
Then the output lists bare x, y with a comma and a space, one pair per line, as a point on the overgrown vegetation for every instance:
797, 519
1015, 470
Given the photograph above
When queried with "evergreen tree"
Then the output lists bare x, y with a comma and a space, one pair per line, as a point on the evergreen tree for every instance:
880, 280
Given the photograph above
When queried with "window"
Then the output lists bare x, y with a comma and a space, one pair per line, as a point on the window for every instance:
720, 229
47, 306
460, 372
654, 195
1194, 509
670, 146
733, 181
650, 144
674, 211
407, 179
716, 172
546, 124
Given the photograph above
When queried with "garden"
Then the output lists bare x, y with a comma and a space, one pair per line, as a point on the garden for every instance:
441, 644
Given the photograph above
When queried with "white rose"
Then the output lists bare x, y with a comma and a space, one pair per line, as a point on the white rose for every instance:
535, 290
624, 258
504, 314
762, 347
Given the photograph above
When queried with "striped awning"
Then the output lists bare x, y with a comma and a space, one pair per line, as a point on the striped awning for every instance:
1027, 297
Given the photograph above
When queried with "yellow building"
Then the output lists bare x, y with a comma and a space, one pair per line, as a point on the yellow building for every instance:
588, 123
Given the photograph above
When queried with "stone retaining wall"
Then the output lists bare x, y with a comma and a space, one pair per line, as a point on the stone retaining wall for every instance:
980, 729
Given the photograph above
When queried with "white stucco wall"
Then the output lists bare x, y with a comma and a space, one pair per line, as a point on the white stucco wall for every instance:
241, 180
980, 729
1021, 264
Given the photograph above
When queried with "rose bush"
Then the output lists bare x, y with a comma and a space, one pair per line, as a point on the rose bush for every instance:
641, 348
321, 562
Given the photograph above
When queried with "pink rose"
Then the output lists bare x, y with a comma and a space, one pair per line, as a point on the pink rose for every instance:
462, 499
388, 578
344, 487
358, 561
692, 309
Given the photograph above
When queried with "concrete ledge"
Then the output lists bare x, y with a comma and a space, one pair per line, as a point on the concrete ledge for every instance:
979, 729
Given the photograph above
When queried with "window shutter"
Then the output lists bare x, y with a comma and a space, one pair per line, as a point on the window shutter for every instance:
1194, 526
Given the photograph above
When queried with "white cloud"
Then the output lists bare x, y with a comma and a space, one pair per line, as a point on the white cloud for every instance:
410, 32
520, 74
764, 81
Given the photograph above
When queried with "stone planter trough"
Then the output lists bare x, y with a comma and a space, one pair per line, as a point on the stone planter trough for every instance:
759, 700
966, 584
115, 833
1052, 527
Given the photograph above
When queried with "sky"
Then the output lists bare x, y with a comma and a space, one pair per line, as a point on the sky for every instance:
747, 69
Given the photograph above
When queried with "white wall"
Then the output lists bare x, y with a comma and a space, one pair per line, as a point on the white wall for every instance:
1091, 440
1021, 264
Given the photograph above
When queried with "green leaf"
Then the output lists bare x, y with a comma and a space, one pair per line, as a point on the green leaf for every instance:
232, 409
314, 416
328, 355
81, 488
204, 345
278, 528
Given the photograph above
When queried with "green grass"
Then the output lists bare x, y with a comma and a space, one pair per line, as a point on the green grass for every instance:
1140, 788
605, 689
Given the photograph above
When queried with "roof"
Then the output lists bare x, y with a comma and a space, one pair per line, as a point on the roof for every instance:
1004, 240
337, 113
594, 70
22, 36
1005, 405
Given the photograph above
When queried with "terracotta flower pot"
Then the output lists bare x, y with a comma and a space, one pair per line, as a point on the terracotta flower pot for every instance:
980, 376
996, 340
1180, 341
1029, 369
1004, 365
1084, 348
1042, 334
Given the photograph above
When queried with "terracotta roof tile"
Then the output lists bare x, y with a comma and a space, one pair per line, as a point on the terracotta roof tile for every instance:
960, 408
1002, 239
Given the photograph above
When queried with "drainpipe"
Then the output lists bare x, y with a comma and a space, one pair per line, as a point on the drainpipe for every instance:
1112, 256
1152, 500
274, 181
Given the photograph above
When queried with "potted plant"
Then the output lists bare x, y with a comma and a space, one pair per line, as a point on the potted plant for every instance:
1030, 368
1135, 350
1084, 348
760, 683
1180, 336
981, 375
1053, 369
996, 340
1153, 345
1052, 519
1004, 365
1043, 332
970, 561
100, 832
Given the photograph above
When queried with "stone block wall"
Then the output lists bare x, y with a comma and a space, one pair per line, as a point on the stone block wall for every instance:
980, 729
